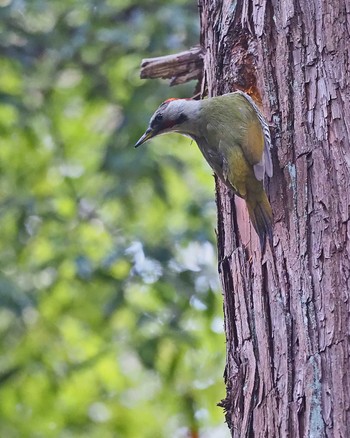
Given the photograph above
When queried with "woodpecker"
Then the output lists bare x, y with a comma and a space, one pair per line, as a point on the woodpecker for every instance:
235, 140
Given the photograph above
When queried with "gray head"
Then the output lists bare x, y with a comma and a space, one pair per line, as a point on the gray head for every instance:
171, 116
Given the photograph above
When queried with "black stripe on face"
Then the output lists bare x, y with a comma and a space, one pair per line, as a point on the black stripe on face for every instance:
158, 124
157, 121
181, 119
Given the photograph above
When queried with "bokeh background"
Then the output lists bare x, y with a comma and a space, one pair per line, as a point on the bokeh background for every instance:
110, 310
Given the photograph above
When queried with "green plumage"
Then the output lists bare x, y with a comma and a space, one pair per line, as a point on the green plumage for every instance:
234, 139
233, 142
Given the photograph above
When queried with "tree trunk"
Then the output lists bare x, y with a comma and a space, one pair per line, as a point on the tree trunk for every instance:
287, 311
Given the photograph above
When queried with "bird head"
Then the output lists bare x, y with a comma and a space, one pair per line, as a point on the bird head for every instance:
173, 115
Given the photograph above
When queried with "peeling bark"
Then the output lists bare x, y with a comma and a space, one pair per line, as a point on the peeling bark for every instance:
287, 311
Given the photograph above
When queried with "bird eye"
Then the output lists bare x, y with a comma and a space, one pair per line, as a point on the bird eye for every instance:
159, 117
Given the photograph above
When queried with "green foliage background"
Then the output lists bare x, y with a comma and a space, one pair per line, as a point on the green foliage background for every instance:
110, 317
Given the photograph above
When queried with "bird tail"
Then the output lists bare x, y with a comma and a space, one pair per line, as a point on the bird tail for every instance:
260, 213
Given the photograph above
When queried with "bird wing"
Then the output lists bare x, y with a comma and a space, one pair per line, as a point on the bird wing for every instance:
252, 144
247, 131
258, 141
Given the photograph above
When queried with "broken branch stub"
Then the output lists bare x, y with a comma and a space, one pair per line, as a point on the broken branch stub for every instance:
179, 67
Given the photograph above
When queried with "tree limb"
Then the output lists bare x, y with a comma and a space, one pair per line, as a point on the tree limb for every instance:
179, 67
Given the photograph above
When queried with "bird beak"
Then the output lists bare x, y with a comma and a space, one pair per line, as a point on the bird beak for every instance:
146, 136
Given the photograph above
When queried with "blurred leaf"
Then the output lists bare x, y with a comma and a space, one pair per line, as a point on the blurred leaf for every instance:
108, 284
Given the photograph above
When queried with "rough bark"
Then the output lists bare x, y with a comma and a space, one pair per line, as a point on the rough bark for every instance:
287, 311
